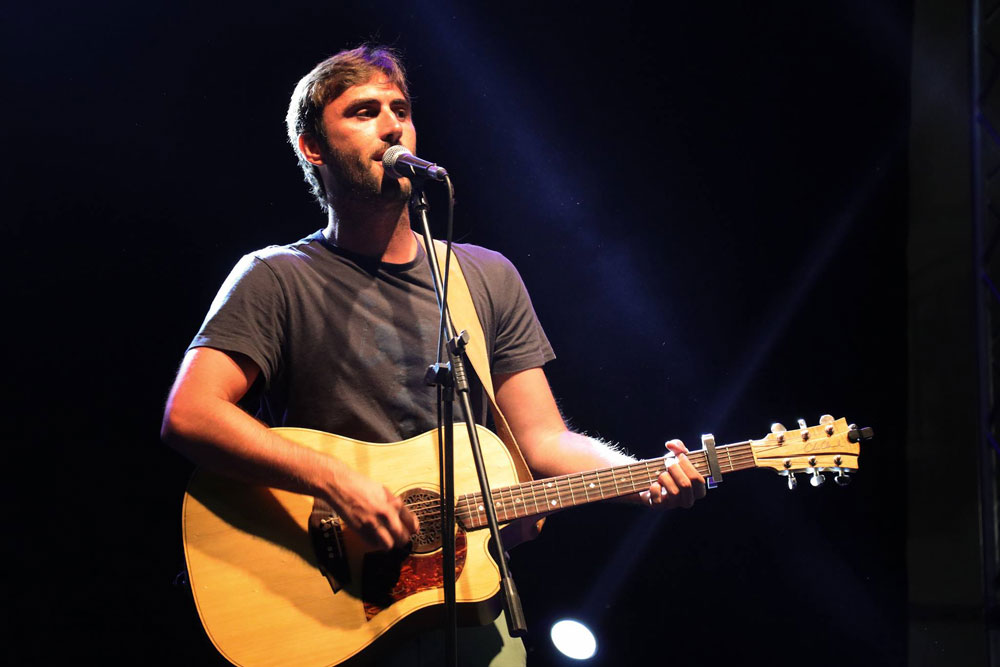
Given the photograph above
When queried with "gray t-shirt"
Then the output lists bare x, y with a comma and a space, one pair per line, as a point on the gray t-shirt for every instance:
343, 341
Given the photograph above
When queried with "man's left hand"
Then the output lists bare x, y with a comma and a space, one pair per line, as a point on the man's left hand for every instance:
677, 486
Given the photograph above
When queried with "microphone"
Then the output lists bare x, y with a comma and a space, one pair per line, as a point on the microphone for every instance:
399, 162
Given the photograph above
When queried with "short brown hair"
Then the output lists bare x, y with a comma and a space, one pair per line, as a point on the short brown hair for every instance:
324, 84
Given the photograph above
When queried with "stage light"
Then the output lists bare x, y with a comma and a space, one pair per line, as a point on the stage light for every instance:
574, 639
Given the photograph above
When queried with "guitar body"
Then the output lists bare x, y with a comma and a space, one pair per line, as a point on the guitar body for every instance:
257, 581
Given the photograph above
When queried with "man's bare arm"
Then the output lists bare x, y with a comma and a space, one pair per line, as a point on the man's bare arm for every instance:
203, 421
550, 448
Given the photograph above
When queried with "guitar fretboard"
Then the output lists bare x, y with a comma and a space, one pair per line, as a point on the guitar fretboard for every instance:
555, 493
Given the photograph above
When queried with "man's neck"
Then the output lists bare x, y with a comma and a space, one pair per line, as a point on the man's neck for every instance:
384, 234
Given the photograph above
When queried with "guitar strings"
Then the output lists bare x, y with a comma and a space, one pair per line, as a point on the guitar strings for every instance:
468, 505
582, 484
607, 482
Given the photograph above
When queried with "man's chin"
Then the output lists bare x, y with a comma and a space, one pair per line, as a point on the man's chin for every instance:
394, 189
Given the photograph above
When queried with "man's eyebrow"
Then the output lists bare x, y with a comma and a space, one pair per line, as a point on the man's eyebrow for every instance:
357, 104
369, 101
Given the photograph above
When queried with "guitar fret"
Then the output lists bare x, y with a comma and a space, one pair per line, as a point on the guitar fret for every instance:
464, 511
551, 484
502, 505
469, 500
700, 462
498, 504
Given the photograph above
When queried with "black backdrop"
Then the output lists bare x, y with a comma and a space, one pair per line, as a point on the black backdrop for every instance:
706, 203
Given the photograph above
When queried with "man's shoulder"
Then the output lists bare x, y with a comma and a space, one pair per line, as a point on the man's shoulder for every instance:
482, 258
277, 256
489, 273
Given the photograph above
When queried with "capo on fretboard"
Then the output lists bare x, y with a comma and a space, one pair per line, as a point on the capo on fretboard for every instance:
715, 472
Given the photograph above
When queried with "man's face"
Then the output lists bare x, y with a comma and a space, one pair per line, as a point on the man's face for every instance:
360, 125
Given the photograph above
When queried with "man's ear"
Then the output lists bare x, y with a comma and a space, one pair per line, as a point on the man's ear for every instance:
311, 147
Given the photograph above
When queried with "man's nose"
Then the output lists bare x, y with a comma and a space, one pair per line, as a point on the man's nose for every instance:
390, 127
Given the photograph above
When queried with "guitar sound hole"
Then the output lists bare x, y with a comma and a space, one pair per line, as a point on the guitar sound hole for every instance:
426, 505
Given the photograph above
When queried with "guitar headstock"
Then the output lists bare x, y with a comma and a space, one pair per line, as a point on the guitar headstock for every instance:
833, 445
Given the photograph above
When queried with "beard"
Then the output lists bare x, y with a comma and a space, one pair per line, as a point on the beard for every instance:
355, 181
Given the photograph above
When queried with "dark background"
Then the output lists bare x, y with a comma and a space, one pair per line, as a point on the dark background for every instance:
707, 204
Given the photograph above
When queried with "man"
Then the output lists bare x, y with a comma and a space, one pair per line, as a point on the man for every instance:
334, 332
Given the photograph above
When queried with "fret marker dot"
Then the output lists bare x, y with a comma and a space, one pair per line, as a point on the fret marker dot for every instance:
553, 503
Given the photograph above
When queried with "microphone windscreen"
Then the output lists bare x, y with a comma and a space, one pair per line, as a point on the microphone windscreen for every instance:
389, 158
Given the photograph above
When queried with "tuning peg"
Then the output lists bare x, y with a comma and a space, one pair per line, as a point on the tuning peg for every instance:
826, 419
854, 434
842, 478
792, 482
777, 428
817, 478
802, 424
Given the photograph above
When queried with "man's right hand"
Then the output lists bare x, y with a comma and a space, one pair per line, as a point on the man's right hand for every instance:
203, 421
370, 509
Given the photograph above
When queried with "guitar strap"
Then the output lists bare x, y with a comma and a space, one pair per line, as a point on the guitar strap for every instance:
464, 316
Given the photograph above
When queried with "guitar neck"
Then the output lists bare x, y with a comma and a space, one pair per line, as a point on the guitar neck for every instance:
555, 493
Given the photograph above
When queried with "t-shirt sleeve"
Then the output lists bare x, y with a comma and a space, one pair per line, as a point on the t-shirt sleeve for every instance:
247, 316
520, 341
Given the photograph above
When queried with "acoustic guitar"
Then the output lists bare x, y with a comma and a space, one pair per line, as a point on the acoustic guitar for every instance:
278, 579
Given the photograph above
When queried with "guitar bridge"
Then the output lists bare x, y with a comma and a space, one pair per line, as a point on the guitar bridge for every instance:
327, 533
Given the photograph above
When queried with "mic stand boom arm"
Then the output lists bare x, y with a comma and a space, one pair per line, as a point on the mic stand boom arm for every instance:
459, 380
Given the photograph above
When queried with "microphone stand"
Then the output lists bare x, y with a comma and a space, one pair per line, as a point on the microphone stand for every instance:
448, 377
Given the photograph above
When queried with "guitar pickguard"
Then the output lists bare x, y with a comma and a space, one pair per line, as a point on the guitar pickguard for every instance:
388, 577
